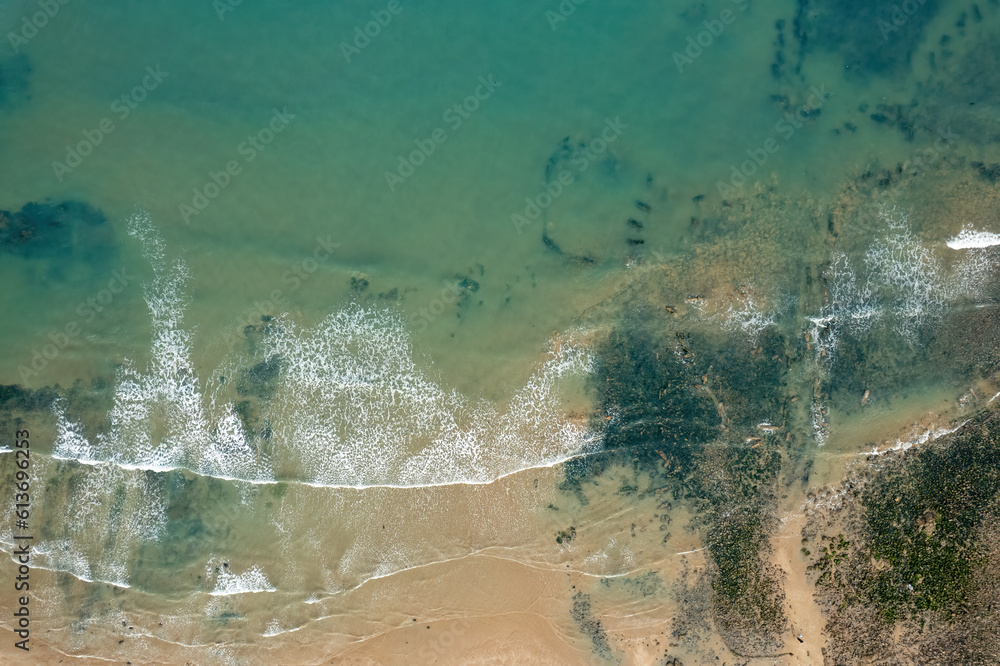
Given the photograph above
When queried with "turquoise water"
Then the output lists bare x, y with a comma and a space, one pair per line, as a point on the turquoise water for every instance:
308, 275
323, 176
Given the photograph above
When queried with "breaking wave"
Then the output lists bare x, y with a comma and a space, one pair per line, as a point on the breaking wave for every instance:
969, 239
350, 406
899, 282
228, 583
346, 406
897, 286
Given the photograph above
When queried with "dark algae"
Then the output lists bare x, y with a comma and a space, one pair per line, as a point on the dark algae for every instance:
65, 242
872, 38
723, 424
722, 397
260, 380
592, 628
647, 389
257, 384
49, 229
682, 408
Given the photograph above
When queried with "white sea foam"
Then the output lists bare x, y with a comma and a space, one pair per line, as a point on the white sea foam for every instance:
613, 560
351, 406
902, 282
974, 271
898, 282
908, 273
743, 310
851, 306
968, 239
917, 435
70, 442
747, 315
107, 513
818, 411
853, 302
274, 629
68, 556
228, 583
193, 432
375, 560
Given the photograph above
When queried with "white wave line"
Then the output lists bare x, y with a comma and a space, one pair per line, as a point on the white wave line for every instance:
79, 577
542, 464
924, 437
688, 552
968, 239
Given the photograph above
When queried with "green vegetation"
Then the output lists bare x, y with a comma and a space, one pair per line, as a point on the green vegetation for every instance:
918, 546
922, 518
643, 585
869, 36
648, 386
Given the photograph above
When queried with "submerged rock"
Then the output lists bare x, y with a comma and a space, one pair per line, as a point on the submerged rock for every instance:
14, 78
871, 37
676, 409
15, 398
50, 229
261, 380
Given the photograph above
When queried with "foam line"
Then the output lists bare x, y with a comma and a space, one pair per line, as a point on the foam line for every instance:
969, 239
543, 464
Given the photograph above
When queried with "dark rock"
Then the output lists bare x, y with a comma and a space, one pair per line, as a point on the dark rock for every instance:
467, 284
260, 380
49, 229
990, 172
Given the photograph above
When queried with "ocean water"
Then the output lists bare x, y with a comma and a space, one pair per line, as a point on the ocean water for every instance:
399, 332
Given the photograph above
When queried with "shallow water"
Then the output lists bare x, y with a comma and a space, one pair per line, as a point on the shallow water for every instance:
336, 357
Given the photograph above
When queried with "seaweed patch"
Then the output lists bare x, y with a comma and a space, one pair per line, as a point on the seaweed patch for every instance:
591, 627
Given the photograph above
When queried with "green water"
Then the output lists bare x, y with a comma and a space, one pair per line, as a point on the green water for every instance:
323, 175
